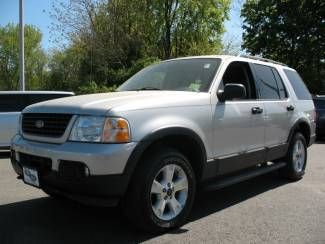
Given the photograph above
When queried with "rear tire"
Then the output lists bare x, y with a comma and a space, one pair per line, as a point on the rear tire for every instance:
161, 192
296, 158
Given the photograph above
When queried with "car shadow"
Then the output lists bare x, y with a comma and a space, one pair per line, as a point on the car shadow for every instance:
320, 141
47, 220
215, 201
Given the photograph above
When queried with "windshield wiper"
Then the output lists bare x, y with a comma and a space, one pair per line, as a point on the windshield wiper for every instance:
148, 89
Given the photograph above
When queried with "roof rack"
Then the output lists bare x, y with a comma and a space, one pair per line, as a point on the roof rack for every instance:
261, 59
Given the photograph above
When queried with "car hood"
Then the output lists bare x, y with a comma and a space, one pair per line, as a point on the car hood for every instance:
104, 103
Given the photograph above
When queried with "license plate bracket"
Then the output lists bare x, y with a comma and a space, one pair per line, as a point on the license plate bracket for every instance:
31, 176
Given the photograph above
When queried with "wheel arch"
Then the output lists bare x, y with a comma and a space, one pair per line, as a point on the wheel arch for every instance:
303, 127
183, 139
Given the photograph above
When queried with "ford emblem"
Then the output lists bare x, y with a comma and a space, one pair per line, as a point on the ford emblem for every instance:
39, 124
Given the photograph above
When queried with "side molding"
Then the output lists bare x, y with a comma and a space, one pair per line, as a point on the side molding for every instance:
229, 164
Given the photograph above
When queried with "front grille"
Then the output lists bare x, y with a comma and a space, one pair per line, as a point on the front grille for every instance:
47, 125
42, 164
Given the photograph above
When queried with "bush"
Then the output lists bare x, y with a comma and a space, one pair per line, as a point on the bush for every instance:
92, 87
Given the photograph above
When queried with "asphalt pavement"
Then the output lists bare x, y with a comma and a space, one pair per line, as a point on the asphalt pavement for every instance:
266, 209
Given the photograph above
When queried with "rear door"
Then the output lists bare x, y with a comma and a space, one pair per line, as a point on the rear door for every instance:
10, 108
279, 109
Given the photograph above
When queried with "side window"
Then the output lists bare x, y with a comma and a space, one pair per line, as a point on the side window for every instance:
298, 85
37, 98
240, 73
282, 90
266, 83
11, 103
34, 98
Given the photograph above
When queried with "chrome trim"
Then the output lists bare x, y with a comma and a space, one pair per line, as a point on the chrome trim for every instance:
255, 150
229, 156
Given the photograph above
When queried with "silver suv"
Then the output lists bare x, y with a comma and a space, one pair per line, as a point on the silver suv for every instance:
173, 128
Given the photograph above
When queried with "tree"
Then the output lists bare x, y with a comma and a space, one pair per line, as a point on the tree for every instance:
189, 27
112, 37
289, 31
35, 58
64, 69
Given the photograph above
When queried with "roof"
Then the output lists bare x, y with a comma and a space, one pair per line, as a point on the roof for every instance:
246, 58
319, 97
37, 92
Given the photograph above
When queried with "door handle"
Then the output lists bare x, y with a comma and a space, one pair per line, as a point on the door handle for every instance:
257, 110
290, 108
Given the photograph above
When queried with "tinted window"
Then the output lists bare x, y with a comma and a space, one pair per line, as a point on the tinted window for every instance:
37, 98
319, 103
11, 103
240, 73
177, 75
282, 91
17, 102
266, 83
298, 85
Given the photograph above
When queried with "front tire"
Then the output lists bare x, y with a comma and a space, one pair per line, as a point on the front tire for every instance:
162, 191
296, 158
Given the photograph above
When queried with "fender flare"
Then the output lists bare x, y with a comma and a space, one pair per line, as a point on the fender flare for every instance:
155, 136
296, 126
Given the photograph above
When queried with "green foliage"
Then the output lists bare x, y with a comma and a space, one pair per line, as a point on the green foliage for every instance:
110, 40
64, 69
290, 31
35, 58
107, 41
92, 87
186, 27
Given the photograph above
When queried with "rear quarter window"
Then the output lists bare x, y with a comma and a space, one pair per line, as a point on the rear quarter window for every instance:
298, 85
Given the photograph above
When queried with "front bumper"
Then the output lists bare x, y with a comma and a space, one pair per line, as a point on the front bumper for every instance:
106, 164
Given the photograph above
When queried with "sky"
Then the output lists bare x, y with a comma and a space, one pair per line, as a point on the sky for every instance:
233, 26
37, 13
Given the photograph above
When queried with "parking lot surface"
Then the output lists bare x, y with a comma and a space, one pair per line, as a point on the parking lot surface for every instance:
266, 209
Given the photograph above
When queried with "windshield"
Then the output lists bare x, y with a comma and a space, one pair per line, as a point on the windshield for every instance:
177, 75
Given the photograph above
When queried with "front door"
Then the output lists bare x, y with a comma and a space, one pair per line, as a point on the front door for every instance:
239, 124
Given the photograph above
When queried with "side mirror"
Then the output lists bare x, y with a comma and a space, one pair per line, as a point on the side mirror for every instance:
232, 91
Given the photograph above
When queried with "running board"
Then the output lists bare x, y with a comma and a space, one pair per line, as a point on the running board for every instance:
248, 174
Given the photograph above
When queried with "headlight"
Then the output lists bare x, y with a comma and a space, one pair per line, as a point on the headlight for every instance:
100, 129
